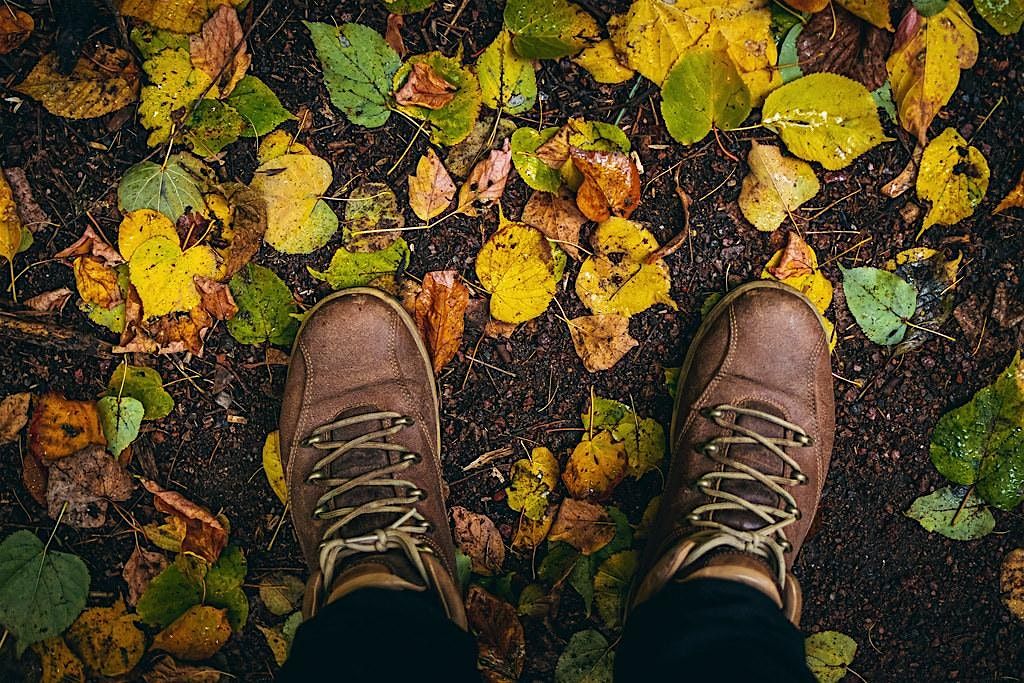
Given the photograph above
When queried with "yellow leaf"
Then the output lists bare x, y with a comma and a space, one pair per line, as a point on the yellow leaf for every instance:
100, 83
953, 177
273, 467
138, 226
298, 221
601, 340
10, 222
1014, 198
197, 634
602, 62
775, 187
15, 28
59, 663
279, 143
797, 266
595, 467
431, 190
651, 36
516, 267
532, 480
60, 427
163, 275
180, 16
1011, 582
97, 282
107, 640
174, 85
276, 642
531, 533
925, 63
617, 278
873, 11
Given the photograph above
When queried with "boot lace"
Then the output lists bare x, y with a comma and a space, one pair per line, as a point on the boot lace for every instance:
406, 530
768, 542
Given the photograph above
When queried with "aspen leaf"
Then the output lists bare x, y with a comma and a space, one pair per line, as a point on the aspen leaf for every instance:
265, 308
601, 340
278, 143
531, 533
1005, 16
953, 177
516, 267
549, 29
479, 539
829, 654
431, 189
138, 226
373, 207
507, 81
171, 188
775, 187
197, 634
60, 427
100, 83
651, 36
453, 121
298, 221
143, 384
531, 482
107, 640
954, 513
15, 28
96, 282
611, 184
703, 91
174, 86
180, 16
595, 467
585, 526
797, 266
272, 466
213, 126
824, 117
163, 275
258, 107
440, 310
601, 61
881, 303
644, 440
120, 419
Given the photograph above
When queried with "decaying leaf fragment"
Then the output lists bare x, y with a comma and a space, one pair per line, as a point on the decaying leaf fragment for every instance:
838, 42
502, 642
556, 215
585, 526
1014, 198
85, 482
141, 568
99, 84
15, 28
425, 88
775, 187
205, 536
601, 340
440, 311
1011, 582
13, 415
479, 539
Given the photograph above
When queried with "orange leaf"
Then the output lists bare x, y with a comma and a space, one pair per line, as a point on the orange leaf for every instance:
97, 282
595, 467
531, 533
486, 182
34, 476
15, 28
215, 298
808, 5
219, 49
393, 34
197, 634
440, 311
431, 190
611, 184
425, 88
585, 526
1014, 198
61, 427
205, 536
797, 259
557, 216
92, 244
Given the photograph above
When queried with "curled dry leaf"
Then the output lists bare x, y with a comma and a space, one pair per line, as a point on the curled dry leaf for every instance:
215, 297
425, 88
611, 184
486, 182
166, 670
841, 43
1014, 198
219, 49
797, 259
85, 482
440, 310
205, 536
393, 34
15, 28
601, 340
141, 568
49, 302
431, 189
557, 216
61, 427
13, 415
480, 540
196, 635
100, 83
92, 244
242, 224
905, 180
500, 636
585, 526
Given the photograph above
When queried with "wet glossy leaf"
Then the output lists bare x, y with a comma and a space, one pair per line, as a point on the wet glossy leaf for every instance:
197, 634
775, 187
298, 221
41, 591
1011, 582
531, 482
611, 183
534, 170
258, 107
10, 222
595, 467
265, 308
829, 654
100, 83
174, 86
583, 525
440, 311
431, 189
982, 443
1005, 16
479, 539
602, 62
272, 467
61, 427
881, 303
107, 640
549, 29
703, 91
453, 121
953, 513
516, 267
170, 188
611, 586
349, 268
507, 81
358, 67
143, 384
601, 340
588, 658
953, 177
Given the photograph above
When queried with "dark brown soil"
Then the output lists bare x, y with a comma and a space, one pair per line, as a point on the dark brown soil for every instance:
921, 607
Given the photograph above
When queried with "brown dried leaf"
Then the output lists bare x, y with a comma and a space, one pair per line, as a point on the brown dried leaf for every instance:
431, 190
61, 427
1007, 309
172, 333
500, 636
34, 476
86, 482
499, 328
1011, 582
486, 182
13, 415
601, 340
480, 540
440, 310
844, 45
555, 152
797, 259
205, 536
215, 298
905, 180
100, 83
393, 34
196, 635
611, 184
140, 569
219, 49
49, 302
15, 28
425, 88
166, 670
585, 526
32, 215
531, 533
242, 228
557, 216
1014, 198
92, 244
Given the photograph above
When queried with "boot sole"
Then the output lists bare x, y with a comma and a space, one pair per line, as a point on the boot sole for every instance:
409, 323
712, 316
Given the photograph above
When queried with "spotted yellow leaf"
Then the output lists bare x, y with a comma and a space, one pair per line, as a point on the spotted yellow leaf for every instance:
272, 466
174, 85
140, 225
532, 481
595, 467
602, 62
163, 275
517, 268
953, 177
775, 187
180, 16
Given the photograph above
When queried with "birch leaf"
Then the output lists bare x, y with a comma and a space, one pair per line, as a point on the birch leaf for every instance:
953, 177
549, 29
507, 81
298, 221
775, 187
516, 267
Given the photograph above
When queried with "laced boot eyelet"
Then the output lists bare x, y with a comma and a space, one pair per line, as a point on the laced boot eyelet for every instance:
708, 448
702, 483
428, 527
319, 511
315, 475
795, 512
800, 478
418, 494
804, 440
312, 440
414, 458
712, 413
404, 421
693, 517
786, 546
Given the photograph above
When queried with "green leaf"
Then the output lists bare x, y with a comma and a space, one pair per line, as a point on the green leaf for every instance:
224, 586
982, 442
611, 585
581, 578
586, 659
558, 563
533, 601
531, 168
463, 569
929, 8
372, 206
1005, 16
622, 540
41, 591
824, 117
265, 307
953, 177
789, 58
168, 596
281, 593
645, 445
549, 29
882, 95
144, 385
703, 91
881, 303
604, 413
151, 40
120, 419
358, 268
170, 189
407, 6
829, 654
214, 125
258, 106
953, 513
507, 81
453, 122
358, 67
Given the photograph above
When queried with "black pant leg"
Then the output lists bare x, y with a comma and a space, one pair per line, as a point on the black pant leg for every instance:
381, 635
711, 630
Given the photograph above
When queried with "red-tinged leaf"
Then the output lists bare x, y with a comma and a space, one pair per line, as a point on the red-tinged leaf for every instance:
486, 182
205, 536
611, 184
425, 88
431, 189
440, 311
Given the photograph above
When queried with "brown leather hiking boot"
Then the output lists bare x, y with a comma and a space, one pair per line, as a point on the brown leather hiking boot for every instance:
751, 439
360, 439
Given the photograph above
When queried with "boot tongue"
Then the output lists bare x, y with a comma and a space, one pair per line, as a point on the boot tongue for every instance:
762, 460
